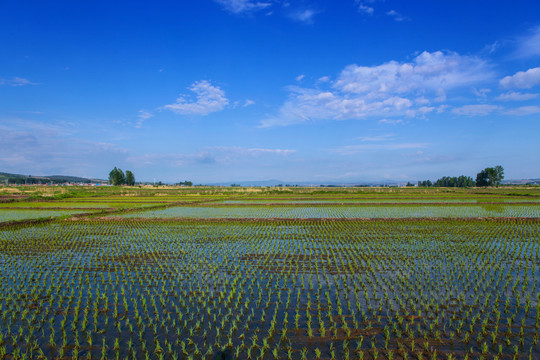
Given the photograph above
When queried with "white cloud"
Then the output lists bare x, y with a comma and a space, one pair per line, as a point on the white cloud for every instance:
238, 150
355, 149
388, 90
522, 79
207, 156
143, 115
427, 72
49, 148
173, 160
304, 15
323, 79
442, 108
419, 112
481, 92
243, 6
529, 45
475, 110
364, 6
523, 110
421, 100
300, 77
491, 48
15, 81
248, 102
396, 16
384, 137
209, 99
391, 121
516, 96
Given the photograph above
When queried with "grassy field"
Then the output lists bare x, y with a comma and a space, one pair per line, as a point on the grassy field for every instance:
266, 273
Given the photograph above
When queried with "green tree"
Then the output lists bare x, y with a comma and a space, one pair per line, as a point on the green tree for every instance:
425, 183
130, 178
482, 179
185, 183
117, 177
490, 176
496, 176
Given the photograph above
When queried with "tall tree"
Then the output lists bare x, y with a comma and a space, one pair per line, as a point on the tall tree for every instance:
117, 177
497, 176
130, 178
112, 176
482, 179
490, 176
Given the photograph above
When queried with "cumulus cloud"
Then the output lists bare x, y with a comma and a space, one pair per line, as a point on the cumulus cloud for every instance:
523, 110
427, 72
516, 96
386, 90
243, 6
475, 110
208, 99
522, 79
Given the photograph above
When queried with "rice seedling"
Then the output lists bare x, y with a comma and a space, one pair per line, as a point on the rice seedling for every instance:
268, 289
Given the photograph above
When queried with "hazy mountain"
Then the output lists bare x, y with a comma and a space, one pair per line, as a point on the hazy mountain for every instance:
57, 179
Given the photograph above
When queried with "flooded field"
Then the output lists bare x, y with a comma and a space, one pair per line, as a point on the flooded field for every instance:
291, 289
222, 280
29, 214
341, 211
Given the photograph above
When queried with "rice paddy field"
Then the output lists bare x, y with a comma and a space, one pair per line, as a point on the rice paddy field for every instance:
341, 212
221, 273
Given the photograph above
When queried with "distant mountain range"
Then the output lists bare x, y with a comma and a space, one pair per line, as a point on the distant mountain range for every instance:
522, 182
55, 179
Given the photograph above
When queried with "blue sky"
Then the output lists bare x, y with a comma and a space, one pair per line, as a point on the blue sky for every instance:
231, 90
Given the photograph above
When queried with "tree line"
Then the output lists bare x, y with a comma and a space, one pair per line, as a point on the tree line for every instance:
117, 177
491, 176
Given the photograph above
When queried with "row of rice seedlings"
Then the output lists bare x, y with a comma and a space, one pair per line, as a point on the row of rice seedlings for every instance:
51, 204
151, 199
295, 290
316, 200
378, 211
26, 214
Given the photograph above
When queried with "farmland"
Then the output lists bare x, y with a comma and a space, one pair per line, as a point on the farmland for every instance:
271, 274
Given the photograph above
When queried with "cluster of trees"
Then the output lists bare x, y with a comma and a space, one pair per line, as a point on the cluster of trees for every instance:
185, 183
450, 181
490, 176
487, 177
117, 177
